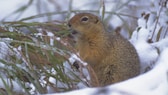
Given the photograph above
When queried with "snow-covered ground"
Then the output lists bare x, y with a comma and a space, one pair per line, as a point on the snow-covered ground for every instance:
152, 55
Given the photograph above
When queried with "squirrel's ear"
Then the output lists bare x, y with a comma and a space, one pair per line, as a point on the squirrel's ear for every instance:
96, 20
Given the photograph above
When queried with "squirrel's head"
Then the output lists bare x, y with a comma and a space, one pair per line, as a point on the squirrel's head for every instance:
84, 22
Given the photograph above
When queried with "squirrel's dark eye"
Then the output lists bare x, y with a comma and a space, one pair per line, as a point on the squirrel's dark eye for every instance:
84, 19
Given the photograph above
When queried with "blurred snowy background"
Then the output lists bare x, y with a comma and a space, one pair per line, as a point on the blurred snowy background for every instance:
37, 54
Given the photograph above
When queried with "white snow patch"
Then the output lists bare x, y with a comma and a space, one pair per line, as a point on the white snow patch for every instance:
13, 84
58, 38
147, 52
3, 50
52, 80
38, 34
32, 91
74, 58
162, 44
87, 91
51, 35
19, 48
142, 22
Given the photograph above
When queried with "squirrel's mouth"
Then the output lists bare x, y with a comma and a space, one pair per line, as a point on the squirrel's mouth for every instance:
74, 32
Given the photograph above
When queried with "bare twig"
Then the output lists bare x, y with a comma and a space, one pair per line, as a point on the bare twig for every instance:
157, 19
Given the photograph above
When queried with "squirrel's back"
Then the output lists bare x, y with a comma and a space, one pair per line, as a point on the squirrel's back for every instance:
121, 63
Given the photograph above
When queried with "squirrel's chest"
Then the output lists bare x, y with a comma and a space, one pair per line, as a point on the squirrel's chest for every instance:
90, 52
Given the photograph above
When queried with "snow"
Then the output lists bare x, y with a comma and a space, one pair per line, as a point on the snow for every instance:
51, 35
83, 72
3, 50
8, 6
58, 38
87, 91
140, 39
74, 58
16, 86
144, 48
162, 44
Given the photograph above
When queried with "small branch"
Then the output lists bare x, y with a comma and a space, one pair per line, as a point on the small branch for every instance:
157, 19
164, 36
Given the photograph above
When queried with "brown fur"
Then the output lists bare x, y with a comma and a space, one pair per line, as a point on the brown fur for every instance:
112, 57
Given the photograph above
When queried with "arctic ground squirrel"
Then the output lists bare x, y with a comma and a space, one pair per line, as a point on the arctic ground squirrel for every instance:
112, 57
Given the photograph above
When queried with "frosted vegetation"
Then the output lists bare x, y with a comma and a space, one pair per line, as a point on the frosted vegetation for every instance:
37, 54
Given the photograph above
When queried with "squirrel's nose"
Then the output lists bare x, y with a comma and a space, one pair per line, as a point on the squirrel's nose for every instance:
69, 25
